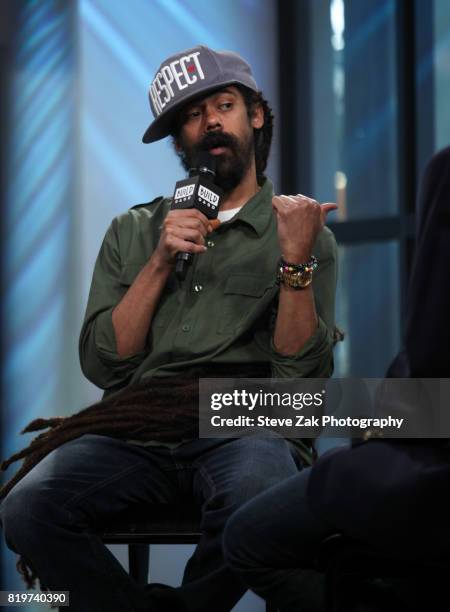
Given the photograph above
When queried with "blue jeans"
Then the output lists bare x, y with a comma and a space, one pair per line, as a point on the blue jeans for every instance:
48, 516
271, 542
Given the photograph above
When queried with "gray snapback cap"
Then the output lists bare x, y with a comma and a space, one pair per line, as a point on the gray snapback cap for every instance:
188, 74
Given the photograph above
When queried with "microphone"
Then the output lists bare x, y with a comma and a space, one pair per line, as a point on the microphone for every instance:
198, 191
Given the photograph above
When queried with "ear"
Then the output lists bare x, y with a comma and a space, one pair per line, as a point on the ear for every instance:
257, 120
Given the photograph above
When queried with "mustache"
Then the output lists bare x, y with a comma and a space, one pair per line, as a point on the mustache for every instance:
218, 139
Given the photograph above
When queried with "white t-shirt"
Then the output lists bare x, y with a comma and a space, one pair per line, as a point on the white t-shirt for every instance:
226, 215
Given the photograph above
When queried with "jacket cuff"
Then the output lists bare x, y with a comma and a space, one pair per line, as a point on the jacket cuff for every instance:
314, 359
105, 343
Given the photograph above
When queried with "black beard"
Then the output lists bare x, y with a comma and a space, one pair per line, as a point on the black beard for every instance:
231, 166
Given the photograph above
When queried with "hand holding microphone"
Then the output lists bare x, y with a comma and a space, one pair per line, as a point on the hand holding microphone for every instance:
193, 215
198, 192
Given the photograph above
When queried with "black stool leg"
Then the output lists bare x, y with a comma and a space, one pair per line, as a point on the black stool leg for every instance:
138, 561
270, 608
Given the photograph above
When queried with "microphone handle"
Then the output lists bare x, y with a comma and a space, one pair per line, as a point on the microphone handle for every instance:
182, 261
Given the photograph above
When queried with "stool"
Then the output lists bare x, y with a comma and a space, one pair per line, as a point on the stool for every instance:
166, 524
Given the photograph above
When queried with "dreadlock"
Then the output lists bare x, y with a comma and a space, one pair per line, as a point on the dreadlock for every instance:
150, 410
263, 135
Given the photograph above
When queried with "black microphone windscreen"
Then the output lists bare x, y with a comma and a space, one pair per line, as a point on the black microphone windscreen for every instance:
204, 162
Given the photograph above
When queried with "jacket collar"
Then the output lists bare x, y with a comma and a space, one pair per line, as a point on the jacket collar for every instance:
256, 212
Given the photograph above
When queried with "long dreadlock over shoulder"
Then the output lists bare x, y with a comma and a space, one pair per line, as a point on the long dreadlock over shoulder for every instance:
137, 413
154, 409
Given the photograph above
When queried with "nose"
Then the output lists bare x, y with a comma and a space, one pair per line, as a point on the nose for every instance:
212, 120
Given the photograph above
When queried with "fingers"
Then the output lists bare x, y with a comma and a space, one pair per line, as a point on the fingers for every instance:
329, 206
186, 233
186, 246
284, 202
191, 221
288, 200
173, 244
214, 223
189, 218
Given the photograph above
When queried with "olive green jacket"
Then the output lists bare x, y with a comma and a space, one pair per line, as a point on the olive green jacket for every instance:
223, 312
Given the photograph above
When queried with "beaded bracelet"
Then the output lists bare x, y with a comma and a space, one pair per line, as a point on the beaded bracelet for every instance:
297, 276
309, 266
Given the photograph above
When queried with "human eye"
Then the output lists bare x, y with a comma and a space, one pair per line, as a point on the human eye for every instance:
192, 113
226, 105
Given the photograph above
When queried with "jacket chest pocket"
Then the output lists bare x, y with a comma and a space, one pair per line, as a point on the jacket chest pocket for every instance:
245, 297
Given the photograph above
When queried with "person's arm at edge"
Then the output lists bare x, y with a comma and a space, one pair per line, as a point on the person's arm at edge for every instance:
315, 357
297, 318
132, 317
183, 230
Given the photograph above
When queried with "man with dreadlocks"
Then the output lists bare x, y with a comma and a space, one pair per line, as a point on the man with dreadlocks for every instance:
146, 340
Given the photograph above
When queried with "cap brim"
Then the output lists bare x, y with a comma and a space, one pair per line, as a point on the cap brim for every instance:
162, 125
